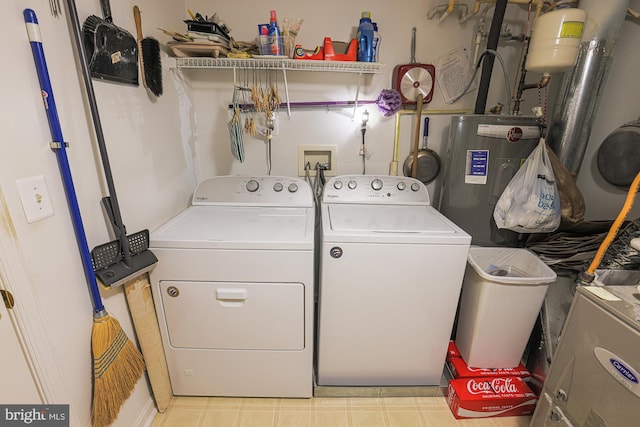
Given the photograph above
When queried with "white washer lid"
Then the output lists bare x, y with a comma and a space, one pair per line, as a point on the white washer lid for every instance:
237, 227
403, 224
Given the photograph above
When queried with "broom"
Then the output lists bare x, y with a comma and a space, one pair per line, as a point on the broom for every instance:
117, 363
150, 62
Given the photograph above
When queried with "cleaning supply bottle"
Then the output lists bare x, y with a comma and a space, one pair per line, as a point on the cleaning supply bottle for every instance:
274, 34
365, 38
376, 42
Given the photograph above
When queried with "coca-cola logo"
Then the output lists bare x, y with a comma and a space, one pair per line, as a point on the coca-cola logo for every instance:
514, 134
491, 386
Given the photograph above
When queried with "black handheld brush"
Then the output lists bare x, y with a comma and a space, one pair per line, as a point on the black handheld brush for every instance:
150, 62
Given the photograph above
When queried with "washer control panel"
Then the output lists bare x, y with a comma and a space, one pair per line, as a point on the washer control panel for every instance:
375, 189
254, 191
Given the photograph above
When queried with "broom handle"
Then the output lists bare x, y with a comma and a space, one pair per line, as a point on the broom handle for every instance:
58, 145
119, 229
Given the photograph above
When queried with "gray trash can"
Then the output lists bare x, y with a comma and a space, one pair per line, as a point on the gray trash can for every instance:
502, 293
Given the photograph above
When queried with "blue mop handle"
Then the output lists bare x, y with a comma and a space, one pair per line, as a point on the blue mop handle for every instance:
33, 30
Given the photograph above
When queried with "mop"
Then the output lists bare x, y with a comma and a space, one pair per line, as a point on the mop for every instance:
117, 363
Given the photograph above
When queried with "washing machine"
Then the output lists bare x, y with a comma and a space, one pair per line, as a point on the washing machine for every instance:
233, 289
390, 275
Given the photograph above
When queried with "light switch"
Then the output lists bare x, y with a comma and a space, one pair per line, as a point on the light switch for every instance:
35, 198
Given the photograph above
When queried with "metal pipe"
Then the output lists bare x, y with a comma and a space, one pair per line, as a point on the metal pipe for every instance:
575, 110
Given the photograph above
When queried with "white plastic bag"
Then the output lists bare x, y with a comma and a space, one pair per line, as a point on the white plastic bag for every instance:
530, 203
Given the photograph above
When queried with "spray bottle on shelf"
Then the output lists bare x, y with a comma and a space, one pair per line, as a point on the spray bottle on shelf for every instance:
376, 42
365, 38
274, 34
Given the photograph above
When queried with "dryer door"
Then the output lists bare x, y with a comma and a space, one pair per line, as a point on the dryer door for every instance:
234, 315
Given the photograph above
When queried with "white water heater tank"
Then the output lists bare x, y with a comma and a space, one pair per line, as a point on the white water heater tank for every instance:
555, 40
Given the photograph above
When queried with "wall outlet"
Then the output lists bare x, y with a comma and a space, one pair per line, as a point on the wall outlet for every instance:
35, 198
310, 155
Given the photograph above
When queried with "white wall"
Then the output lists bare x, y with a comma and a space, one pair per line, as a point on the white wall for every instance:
338, 20
154, 144
153, 175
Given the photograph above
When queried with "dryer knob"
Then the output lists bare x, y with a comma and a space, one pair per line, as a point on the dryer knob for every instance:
252, 186
352, 184
293, 187
376, 184
277, 187
415, 186
401, 186
337, 185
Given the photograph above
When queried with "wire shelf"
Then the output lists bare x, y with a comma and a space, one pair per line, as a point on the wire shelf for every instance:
281, 64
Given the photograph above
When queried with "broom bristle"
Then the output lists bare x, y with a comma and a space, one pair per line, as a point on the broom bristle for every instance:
117, 367
152, 64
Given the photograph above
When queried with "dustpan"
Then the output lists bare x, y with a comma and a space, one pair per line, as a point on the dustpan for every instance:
112, 52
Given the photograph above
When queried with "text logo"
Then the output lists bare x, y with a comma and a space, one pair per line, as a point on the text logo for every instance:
34, 415
514, 134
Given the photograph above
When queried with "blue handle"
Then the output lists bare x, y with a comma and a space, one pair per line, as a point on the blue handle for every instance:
33, 30
425, 131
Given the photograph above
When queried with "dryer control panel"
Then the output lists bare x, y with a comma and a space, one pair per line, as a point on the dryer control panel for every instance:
375, 189
254, 191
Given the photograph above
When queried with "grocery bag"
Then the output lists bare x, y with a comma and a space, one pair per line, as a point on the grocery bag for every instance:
530, 203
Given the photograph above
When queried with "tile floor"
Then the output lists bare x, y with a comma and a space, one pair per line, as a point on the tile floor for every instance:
320, 412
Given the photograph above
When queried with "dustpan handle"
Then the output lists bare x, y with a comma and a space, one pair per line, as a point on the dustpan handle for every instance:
106, 10
97, 125
58, 146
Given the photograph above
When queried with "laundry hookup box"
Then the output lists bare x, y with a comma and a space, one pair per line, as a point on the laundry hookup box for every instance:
490, 397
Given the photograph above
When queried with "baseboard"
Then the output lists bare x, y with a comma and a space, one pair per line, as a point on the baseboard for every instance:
147, 415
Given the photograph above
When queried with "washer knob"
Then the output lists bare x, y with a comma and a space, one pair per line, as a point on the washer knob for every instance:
293, 187
376, 184
252, 186
337, 185
401, 186
352, 184
277, 187
415, 186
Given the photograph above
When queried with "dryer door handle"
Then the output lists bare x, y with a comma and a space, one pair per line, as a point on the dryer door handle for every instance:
227, 294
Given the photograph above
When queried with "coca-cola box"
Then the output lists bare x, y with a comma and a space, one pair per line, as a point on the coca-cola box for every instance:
452, 351
459, 369
490, 397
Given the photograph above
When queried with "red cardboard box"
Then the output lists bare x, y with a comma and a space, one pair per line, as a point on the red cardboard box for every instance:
490, 397
452, 351
459, 369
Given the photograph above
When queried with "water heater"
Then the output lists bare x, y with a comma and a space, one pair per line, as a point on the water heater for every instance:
483, 154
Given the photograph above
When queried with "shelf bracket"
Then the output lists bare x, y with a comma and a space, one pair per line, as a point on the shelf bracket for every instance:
286, 89
355, 102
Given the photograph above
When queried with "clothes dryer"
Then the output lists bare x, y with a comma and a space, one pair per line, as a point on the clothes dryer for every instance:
234, 289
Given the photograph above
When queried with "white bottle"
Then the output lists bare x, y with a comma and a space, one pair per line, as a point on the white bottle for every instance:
376, 42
